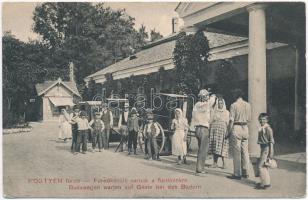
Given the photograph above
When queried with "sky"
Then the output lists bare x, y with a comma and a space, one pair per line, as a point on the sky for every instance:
17, 16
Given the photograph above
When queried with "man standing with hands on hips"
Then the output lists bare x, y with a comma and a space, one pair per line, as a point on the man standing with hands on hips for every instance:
200, 120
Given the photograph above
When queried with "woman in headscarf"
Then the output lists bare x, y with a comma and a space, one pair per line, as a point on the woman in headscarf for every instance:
180, 127
65, 126
219, 146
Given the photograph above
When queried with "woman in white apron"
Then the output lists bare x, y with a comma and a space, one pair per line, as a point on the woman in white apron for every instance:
180, 127
65, 131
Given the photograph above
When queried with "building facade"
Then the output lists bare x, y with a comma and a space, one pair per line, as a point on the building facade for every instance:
264, 42
54, 95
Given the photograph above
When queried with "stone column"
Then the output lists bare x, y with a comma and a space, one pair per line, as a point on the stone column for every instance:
256, 71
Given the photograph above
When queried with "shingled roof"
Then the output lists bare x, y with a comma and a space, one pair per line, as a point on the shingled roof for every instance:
162, 50
41, 88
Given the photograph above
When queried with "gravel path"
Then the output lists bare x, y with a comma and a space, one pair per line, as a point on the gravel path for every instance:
37, 165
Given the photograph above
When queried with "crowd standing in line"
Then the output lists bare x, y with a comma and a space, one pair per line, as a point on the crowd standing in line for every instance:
213, 124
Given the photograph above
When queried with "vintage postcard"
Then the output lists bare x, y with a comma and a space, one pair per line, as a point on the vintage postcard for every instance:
154, 99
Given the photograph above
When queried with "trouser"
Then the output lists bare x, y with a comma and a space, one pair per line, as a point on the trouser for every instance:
152, 146
124, 133
202, 135
263, 170
81, 138
97, 139
106, 134
146, 146
240, 150
74, 139
132, 139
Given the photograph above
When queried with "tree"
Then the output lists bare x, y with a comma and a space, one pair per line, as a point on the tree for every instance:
226, 77
24, 65
155, 35
190, 57
91, 36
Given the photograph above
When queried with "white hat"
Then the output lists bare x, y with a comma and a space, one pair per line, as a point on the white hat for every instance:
203, 92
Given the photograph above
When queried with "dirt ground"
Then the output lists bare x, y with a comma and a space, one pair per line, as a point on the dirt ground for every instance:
36, 164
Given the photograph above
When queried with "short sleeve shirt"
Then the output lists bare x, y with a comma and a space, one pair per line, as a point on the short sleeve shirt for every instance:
265, 135
240, 111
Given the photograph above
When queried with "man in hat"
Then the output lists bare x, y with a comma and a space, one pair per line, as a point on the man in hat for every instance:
200, 121
150, 132
123, 125
83, 128
98, 127
74, 116
133, 128
107, 118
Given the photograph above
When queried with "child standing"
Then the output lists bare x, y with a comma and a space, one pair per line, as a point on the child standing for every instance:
180, 127
266, 142
83, 128
97, 126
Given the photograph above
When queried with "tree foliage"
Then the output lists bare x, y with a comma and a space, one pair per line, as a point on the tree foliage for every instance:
226, 77
24, 65
91, 35
190, 57
155, 35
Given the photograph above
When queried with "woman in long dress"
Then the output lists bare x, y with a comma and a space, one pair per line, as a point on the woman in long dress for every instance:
180, 127
65, 131
219, 145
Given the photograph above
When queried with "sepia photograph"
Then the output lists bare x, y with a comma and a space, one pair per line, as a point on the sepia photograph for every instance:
192, 99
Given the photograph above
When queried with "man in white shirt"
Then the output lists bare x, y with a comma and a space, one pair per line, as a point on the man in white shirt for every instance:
200, 121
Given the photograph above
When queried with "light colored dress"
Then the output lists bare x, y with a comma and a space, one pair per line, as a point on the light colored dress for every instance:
65, 127
179, 146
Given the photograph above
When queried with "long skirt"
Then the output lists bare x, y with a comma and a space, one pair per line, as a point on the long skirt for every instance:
65, 130
179, 147
218, 144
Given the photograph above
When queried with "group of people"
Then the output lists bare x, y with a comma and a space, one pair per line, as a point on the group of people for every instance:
215, 127
76, 126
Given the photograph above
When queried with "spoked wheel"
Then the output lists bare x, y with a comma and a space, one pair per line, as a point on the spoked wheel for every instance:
160, 140
189, 138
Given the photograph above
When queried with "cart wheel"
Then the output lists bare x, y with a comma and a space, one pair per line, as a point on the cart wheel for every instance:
141, 144
161, 138
189, 141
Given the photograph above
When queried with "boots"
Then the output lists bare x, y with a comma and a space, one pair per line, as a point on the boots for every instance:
129, 151
135, 152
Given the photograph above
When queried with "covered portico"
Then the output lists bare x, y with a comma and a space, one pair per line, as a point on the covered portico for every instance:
261, 23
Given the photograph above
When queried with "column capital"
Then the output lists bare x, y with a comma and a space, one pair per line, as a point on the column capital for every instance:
257, 6
190, 29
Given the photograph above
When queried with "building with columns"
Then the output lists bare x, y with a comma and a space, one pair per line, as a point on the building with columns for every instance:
261, 23
265, 42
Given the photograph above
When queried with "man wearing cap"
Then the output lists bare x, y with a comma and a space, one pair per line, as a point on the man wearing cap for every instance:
74, 116
98, 126
83, 128
123, 125
107, 118
133, 128
151, 131
240, 116
200, 121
